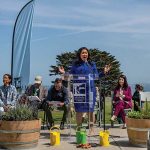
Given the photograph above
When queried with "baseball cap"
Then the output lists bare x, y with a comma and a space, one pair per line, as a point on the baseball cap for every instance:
38, 79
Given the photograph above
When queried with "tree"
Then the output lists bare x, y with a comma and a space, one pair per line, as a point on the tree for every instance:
101, 58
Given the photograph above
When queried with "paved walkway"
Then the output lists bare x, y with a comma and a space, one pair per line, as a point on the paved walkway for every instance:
118, 140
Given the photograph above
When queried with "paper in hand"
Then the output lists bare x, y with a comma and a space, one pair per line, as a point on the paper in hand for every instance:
34, 98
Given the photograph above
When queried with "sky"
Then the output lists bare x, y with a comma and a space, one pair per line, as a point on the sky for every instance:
121, 28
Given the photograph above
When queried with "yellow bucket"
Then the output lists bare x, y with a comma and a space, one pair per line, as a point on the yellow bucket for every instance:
55, 136
104, 138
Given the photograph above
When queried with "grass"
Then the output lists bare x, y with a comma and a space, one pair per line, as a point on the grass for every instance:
57, 115
108, 109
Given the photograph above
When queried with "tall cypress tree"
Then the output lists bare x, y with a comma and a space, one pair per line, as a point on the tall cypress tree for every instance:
101, 58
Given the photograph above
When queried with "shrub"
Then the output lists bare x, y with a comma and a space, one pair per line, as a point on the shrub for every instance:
20, 113
134, 114
142, 114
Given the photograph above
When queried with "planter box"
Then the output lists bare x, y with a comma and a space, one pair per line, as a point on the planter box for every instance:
19, 134
137, 130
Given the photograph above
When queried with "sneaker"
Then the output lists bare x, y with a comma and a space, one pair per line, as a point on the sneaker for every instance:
87, 127
124, 126
113, 118
62, 126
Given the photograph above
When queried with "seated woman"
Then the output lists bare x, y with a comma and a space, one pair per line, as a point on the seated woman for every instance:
122, 99
8, 94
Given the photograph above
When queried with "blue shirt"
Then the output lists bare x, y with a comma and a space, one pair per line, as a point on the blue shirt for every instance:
8, 95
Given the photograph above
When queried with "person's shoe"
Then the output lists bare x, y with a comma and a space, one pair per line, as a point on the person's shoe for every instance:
87, 127
62, 126
113, 118
124, 126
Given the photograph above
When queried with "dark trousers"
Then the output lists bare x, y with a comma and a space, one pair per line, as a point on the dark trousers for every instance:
48, 111
136, 106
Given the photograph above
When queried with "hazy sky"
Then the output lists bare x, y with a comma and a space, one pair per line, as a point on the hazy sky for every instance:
120, 27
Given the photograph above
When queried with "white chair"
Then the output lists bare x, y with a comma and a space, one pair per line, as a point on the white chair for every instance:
143, 97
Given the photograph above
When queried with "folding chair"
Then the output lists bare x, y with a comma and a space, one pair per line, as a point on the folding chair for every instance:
99, 109
119, 118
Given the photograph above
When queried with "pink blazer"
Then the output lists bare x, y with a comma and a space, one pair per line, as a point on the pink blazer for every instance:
127, 98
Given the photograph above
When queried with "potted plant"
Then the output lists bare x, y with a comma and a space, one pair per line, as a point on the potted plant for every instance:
138, 124
19, 128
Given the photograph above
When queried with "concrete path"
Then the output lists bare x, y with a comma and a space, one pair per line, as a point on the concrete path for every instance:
118, 140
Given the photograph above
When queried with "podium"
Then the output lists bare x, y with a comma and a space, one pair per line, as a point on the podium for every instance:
82, 87
82, 92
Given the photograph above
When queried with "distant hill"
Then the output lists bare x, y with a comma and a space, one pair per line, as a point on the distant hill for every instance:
146, 86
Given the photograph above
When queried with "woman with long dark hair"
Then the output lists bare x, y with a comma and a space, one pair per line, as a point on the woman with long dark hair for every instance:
122, 98
8, 94
83, 66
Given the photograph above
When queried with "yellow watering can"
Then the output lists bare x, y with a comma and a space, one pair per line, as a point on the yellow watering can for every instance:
55, 136
104, 138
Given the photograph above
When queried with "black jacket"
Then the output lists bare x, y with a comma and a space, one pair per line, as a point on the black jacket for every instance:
61, 95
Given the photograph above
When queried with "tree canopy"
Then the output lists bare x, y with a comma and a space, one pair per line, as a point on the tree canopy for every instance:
101, 58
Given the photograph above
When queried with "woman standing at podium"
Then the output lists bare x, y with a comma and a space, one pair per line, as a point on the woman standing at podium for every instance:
84, 66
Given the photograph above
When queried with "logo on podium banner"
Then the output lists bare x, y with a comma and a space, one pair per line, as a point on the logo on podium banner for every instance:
79, 92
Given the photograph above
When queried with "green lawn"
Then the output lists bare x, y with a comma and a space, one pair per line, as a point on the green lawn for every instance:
57, 115
108, 109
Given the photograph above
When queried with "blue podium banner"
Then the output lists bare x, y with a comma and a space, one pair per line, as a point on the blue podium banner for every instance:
81, 88
79, 91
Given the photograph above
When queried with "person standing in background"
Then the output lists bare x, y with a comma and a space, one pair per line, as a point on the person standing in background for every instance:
136, 97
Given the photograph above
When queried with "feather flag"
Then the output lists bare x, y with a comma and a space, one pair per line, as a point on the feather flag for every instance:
20, 65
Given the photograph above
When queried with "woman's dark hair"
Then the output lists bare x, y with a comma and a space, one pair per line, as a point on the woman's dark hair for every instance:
139, 87
79, 60
9, 76
125, 85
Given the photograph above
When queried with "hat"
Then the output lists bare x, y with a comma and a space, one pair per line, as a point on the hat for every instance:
38, 79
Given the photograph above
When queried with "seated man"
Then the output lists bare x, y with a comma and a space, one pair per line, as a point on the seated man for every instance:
57, 93
8, 94
38, 90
